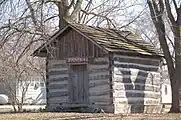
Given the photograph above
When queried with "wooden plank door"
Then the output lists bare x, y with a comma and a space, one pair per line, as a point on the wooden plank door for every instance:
79, 84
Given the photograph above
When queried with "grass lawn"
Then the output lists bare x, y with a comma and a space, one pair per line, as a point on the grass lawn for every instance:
86, 116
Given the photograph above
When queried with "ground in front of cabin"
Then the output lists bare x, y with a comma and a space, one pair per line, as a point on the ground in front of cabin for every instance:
86, 116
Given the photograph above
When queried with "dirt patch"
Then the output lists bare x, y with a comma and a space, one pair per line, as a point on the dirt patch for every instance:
86, 116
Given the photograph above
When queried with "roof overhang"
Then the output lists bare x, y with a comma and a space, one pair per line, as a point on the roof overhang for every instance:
43, 49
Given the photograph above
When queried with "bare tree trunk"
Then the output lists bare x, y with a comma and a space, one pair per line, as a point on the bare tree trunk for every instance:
63, 13
14, 105
176, 78
174, 67
75, 12
175, 94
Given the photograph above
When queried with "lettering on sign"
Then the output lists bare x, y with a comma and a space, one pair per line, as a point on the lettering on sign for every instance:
77, 60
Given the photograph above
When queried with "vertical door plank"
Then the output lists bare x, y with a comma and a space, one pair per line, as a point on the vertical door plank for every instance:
86, 87
78, 84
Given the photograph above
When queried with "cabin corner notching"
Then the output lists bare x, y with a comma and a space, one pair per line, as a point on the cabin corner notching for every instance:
101, 68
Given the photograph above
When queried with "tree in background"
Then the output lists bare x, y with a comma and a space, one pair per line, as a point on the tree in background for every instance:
173, 14
26, 24
17, 76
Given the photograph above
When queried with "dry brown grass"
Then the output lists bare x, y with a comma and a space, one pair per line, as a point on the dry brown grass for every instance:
86, 116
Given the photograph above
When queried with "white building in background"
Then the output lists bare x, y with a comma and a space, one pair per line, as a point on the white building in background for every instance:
166, 93
35, 92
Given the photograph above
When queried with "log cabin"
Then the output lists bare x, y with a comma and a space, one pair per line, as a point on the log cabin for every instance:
101, 69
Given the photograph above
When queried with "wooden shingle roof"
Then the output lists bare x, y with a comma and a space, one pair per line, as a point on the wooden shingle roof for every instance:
112, 40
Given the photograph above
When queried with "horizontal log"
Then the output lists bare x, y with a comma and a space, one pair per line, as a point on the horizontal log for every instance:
98, 83
102, 103
99, 77
57, 82
98, 62
100, 93
135, 73
58, 100
101, 59
99, 70
132, 73
152, 102
58, 86
138, 60
137, 100
58, 79
119, 69
139, 79
105, 98
136, 93
50, 77
60, 72
56, 66
57, 69
99, 73
92, 82
99, 88
135, 86
134, 57
136, 67
133, 77
57, 90
90, 66
57, 94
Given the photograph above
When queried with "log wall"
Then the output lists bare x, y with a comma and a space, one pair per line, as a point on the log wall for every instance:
57, 83
100, 94
131, 84
99, 84
136, 84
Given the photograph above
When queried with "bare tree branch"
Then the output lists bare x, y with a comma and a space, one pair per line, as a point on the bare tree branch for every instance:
175, 4
160, 27
92, 13
152, 12
84, 16
169, 12
133, 19
32, 12
71, 4
76, 10
161, 5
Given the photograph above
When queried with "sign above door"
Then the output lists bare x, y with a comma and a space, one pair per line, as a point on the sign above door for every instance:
77, 60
